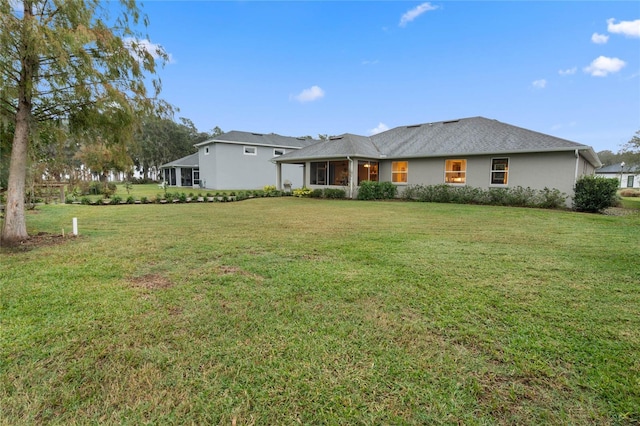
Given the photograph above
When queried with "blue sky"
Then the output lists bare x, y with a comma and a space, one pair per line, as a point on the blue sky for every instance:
570, 69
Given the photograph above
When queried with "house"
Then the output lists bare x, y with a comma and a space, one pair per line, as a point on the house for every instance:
182, 172
237, 160
628, 176
476, 152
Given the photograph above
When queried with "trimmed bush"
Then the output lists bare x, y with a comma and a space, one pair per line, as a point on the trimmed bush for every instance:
514, 197
334, 193
594, 194
370, 190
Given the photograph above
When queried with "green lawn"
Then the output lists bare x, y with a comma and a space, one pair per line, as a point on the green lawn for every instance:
631, 202
286, 311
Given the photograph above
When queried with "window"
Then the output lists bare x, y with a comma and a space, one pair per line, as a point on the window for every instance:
399, 171
318, 173
278, 152
455, 172
329, 173
367, 170
250, 150
630, 181
499, 171
206, 150
196, 176
339, 173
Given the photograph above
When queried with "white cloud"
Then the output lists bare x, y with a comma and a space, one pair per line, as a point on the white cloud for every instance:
308, 95
381, 127
540, 84
370, 62
155, 50
415, 12
599, 38
569, 71
628, 28
602, 66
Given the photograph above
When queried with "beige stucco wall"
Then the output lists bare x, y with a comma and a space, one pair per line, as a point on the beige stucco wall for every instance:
536, 170
553, 170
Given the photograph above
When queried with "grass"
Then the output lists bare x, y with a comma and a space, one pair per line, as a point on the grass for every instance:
287, 310
151, 191
631, 203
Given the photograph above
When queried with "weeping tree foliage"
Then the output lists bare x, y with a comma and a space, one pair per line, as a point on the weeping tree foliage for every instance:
81, 64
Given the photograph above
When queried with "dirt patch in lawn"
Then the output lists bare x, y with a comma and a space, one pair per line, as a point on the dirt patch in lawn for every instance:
151, 282
41, 239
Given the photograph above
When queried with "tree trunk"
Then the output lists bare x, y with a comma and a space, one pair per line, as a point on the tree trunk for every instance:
14, 229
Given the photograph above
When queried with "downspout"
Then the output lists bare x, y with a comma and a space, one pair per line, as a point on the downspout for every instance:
575, 179
350, 177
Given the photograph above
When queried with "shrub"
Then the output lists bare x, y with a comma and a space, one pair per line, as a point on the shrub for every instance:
370, 190
515, 197
115, 200
630, 193
85, 201
130, 200
144, 200
302, 192
551, 199
335, 194
593, 194
316, 193
387, 190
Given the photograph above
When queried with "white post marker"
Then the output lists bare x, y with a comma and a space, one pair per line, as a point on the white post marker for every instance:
75, 226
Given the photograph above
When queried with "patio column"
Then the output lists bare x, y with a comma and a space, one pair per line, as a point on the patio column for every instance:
279, 176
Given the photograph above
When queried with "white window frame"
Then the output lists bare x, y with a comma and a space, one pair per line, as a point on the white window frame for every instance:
206, 150
400, 173
505, 171
250, 150
462, 171
277, 152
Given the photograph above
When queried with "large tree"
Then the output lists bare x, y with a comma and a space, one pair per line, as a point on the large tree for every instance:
73, 62
161, 140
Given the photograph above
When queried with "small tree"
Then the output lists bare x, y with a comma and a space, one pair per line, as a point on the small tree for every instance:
631, 150
593, 194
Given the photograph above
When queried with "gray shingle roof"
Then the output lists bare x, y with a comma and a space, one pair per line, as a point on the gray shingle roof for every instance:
466, 136
188, 161
347, 145
617, 168
476, 135
269, 139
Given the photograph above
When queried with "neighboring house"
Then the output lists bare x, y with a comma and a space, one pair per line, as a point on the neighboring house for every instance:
237, 160
476, 152
182, 172
628, 176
